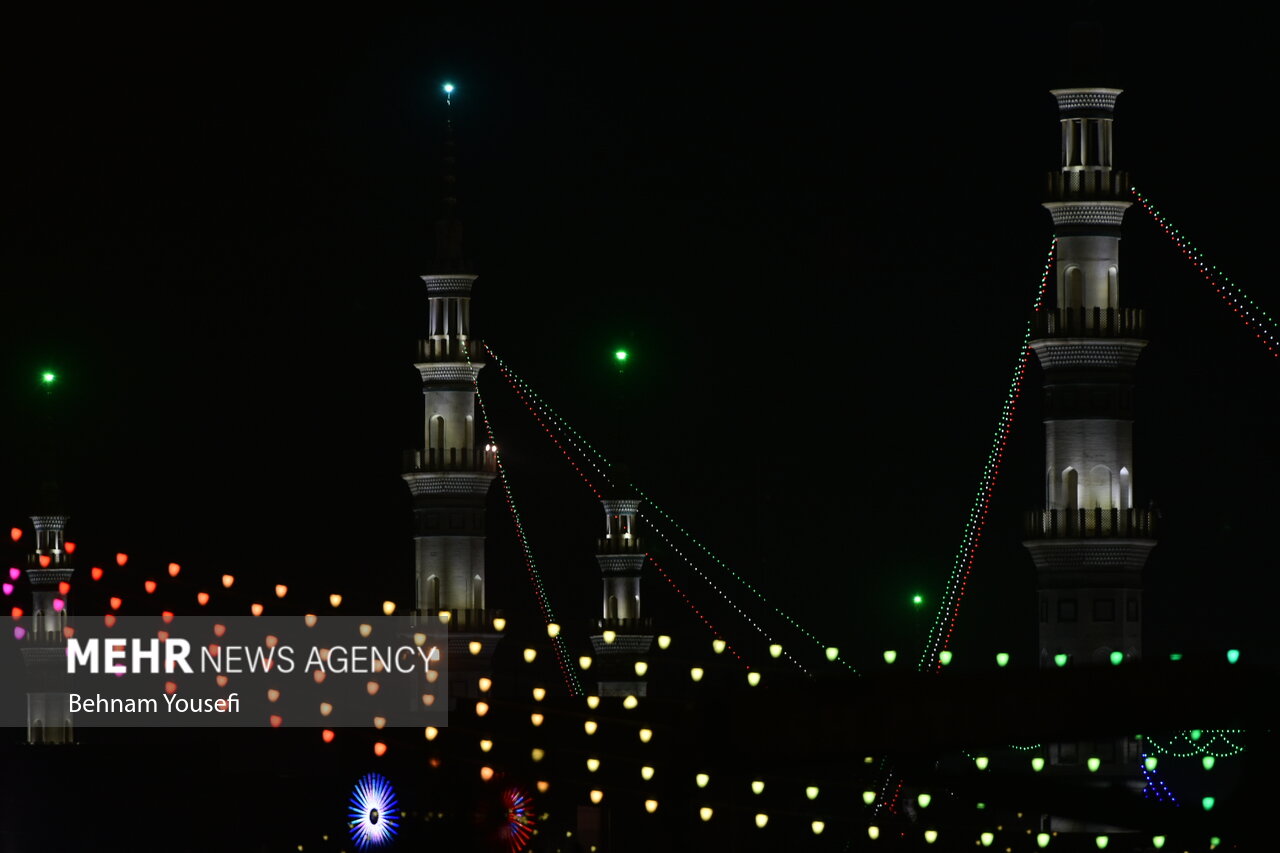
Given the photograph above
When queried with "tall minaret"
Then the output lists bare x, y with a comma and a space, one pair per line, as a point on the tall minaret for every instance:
1090, 542
623, 634
450, 476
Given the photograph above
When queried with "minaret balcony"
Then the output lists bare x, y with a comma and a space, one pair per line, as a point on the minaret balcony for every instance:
1096, 523
450, 348
1096, 184
1094, 322
626, 625
452, 459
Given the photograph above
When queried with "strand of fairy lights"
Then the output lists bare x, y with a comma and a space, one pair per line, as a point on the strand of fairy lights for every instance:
587, 480
1151, 782
944, 623
540, 592
1249, 312
699, 572
1196, 748
575, 438
705, 620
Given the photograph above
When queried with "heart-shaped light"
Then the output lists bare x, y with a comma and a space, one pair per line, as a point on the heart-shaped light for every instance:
775, 651
8, 589
718, 646
16, 613
593, 764
1151, 763
868, 797
1094, 763
255, 609
930, 836
19, 632
310, 620
166, 616
273, 695
379, 722
109, 620
115, 602
170, 687
757, 787
1157, 841
486, 773
149, 586
646, 773
430, 733
944, 657
222, 680
327, 735
281, 590
276, 720
121, 559
987, 838
1002, 659
326, 709
272, 641
1207, 803
372, 687
651, 806
817, 826
365, 629
379, 749
219, 629
64, 588
15, 533
596, 795
318, 675
228, 580
13, 574
335, 600
68, 631
1101, 842
59, 604
890, 656
762, 820
69, 547
45, 560
706, 813
202, 598
832, 653
1042, 839
982, 761
1061, 659
96, 573
388, 607
924, 800
163, 636
1207, 762
174, 568
1037, 764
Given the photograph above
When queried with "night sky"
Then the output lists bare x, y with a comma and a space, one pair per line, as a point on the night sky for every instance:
818, 235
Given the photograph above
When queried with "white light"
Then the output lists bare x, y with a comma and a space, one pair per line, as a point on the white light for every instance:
448, 90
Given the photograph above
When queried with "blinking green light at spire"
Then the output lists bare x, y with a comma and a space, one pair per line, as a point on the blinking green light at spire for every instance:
448, 93
48, 377
620, 355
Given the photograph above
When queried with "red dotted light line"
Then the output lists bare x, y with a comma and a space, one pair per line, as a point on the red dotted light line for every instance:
696, 611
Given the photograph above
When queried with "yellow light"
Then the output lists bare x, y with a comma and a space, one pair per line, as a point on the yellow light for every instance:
817, 826
536, 719
475, 647
310, 619
593, 702
646, 735
630, 703
431, 732
486, 745
281, 590
543, 786
702, 779
873, 832
537, 753
651, 806
335, 600
609, 636
930, 836
365, 629
585, 661
482, 708
597, 796
868, 797
718, 645
530, 655
832, 653
753, 678
811, 792
553, 630
590, 727
705, 813
775, 651
486, 773
499, 624
664, 641
228, 580
485, 683
762, 820
646, 773
696, 673
444, 616
326, 709
419, 639
641, 668
256, 609
539, 693
757, 787
593, 764
388, 607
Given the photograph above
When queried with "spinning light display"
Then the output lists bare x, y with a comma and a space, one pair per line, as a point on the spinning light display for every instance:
372, 814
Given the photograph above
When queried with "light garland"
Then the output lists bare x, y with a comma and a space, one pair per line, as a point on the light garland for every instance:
1250, 313
1214, 742
944, 623
697, 612
1152, 782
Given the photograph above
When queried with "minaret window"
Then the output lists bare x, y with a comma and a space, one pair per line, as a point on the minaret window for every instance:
477, 593
433, 593
1113, 288
1070, 490
612, 607
1126, 490
1073, 291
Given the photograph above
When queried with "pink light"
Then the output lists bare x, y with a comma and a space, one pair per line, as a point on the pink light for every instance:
58, 604
19, 632
8, 589
13, 574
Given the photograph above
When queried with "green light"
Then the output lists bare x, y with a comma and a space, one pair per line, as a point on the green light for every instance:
1207, 803
1175, 656
1233, 655
1002, 659
924, 800
620, 355
1037, 764
890, 656
944, 657
49, 378
917, 600
1042, 840
1157, 841
1151, 762
1117, 658
1207, 762
1196, 734
1094, 763
1060, 659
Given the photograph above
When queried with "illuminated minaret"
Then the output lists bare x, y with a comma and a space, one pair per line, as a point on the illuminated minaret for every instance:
450, 475
44, 649
1090, 542
623, 635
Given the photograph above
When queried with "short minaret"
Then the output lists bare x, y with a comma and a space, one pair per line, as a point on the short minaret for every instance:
1089, 542
623, 634
44, 649
450, 475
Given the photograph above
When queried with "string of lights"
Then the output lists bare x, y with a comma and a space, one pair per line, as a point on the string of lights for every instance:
533, 400
1198, 742
705, 620
1153, 785
940, 632
539, 589
1249, 312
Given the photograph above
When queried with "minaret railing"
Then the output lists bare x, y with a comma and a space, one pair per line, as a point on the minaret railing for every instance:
1090, 523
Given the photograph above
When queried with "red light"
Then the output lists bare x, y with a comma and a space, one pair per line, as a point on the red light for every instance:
95, 573
174, 568
327, 735
45, 560
167, 616
69, 547
121, 559
115, 602
64, 588
149, 586
16, 613
276, 720
15, 533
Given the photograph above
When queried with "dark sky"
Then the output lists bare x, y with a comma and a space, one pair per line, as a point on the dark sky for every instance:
819, 235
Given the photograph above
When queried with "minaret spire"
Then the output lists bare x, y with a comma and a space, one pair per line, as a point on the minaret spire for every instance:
449, 257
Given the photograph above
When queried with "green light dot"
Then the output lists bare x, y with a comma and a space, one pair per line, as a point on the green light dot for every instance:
48, 378
620, 355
